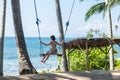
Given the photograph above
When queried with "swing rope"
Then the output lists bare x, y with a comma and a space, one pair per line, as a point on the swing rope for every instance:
67, 23
37, 23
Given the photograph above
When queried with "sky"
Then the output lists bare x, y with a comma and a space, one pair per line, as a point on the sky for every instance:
49, 25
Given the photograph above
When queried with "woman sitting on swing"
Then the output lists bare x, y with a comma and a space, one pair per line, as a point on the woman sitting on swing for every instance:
53, 50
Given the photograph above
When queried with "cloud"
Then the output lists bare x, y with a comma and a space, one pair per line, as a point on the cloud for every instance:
47, 30
80, 31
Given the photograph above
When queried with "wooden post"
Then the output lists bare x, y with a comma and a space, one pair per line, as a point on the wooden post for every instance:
68, 60
86, 56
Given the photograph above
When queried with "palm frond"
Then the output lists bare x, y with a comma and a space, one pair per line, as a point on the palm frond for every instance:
98, 8
114, 3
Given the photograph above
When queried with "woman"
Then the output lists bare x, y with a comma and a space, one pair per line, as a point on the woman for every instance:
53, 50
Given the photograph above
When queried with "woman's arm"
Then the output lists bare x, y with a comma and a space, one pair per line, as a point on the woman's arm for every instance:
46, 44
60, 43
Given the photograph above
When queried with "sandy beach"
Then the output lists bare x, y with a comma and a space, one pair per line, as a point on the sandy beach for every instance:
78, 75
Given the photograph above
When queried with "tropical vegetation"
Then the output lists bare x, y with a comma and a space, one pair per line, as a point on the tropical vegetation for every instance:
105, 7
77, 58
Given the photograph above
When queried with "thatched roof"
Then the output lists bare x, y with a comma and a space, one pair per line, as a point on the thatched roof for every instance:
82, 43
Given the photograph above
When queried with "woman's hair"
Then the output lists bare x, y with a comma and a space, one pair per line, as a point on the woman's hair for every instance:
52, 37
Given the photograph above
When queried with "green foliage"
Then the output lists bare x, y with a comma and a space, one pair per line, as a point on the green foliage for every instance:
98, 8
77, 60
117, 63
95, 32
97, 60
89, 35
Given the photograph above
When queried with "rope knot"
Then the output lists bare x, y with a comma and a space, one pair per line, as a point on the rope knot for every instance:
38, 21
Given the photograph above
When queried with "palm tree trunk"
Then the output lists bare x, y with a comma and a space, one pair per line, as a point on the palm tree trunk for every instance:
60, 26
25, 66
2, 32
110, 35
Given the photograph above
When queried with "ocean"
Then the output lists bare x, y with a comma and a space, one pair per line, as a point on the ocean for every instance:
10, 66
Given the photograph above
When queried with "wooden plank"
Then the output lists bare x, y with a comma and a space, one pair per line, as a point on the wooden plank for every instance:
51, 54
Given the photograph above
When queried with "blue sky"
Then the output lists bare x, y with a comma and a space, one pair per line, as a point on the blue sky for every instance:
49, 25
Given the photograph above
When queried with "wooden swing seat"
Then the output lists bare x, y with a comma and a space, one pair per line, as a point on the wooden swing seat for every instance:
51, 54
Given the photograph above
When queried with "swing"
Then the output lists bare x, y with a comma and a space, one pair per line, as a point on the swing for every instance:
58, 53
51, 54
37, 23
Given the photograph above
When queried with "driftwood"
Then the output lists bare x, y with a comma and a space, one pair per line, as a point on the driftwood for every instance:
81, 43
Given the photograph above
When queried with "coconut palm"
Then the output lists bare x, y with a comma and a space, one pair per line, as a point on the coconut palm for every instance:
2, 30
60, 26
110, 34
105, 7
25, 66
100, 7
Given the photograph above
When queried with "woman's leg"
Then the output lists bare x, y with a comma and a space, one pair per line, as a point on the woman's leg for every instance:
45, 57
48, 54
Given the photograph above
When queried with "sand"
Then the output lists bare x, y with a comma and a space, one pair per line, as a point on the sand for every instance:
78, 75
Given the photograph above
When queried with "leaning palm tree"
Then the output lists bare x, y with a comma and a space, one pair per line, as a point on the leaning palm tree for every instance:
2, 30
25, 66
105, 7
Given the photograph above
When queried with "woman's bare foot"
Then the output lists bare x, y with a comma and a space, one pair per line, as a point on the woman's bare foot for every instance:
43, 61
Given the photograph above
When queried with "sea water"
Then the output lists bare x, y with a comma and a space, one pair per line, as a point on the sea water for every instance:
10, 66
34, 49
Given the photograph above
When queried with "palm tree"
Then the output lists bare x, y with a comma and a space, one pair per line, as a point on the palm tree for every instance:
110, 34
25, 66
2, 30
102, 7
60, 26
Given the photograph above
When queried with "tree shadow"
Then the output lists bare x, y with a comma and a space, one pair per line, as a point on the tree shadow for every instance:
78, 75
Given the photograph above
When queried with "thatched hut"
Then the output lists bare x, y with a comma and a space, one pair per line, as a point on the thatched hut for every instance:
85, 44
82, 43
